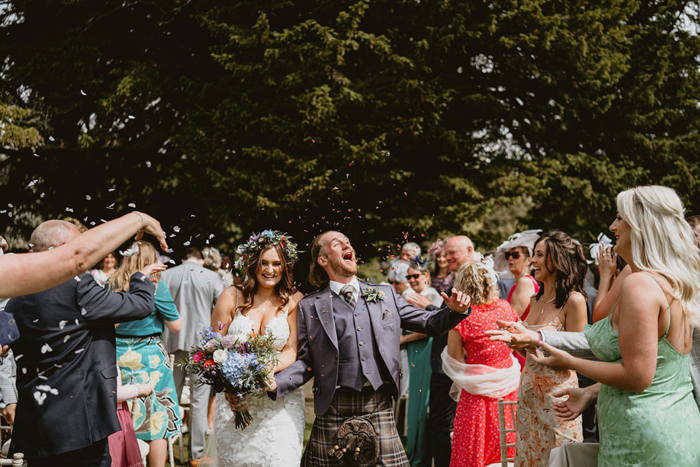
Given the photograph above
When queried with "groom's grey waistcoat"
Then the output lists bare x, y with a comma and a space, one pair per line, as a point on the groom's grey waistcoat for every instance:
319, 347
358, 355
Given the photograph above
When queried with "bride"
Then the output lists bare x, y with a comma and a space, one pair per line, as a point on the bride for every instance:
265, 304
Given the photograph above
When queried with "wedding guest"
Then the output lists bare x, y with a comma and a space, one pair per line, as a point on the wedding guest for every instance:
417, 346
195, 291
77, 223
409, 251
459, 250
66, 377
611, 277
398, 280
143, 359
442, 278
645, 399
476, 440
226, 271
694, 222
105, 269
397, 277
25, 274
8, 387
560, 305
123, 445
517, 254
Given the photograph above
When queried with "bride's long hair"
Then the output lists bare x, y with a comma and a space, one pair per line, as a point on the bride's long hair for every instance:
663, 242
284, 288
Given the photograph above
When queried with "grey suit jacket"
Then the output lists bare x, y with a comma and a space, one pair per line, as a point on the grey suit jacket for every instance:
576, 344
317, 353
195, 291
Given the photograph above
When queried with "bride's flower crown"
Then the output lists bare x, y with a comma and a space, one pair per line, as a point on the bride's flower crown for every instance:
263, 240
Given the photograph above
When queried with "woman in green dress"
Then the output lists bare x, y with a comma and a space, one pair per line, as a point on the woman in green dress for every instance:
645, 403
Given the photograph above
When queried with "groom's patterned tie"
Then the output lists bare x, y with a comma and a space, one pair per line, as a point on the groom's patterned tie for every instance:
347, 293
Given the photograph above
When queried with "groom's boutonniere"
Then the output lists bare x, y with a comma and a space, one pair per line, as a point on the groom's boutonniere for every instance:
372, 295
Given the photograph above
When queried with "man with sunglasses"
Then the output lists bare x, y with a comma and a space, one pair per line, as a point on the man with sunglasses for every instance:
458, 250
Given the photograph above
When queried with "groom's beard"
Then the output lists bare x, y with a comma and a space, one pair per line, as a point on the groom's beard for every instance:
340, 268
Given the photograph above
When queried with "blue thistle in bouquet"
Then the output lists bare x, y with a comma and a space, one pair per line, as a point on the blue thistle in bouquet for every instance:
238, 367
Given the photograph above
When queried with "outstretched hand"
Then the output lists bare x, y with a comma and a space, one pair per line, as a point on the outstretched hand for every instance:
515, 335
458, 301
152, 227
557, 359
418, 300
579, 399
153, 269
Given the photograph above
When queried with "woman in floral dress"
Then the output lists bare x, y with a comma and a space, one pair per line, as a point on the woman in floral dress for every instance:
560, 305
142, 358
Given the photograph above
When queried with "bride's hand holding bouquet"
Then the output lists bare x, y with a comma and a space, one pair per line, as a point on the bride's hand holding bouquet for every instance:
238, 367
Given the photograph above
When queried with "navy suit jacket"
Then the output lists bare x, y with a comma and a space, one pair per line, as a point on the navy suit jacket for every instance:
67, 363
317, 353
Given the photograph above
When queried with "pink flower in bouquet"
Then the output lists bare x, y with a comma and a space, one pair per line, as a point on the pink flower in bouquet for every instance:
210, 346
198, 357
228, 342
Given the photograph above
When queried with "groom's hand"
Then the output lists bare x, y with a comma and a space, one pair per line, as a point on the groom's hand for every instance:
458, 301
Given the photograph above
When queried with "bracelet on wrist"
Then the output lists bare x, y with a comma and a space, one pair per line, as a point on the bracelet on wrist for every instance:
143, 222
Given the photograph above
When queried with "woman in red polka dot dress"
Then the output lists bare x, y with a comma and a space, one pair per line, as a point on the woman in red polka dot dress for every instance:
482, 370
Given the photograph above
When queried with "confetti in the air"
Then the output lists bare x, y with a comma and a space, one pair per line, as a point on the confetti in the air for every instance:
130, 251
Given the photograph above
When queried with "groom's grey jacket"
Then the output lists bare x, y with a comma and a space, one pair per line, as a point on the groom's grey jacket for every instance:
318, 351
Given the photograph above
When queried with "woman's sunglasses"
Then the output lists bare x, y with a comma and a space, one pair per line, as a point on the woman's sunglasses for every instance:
412, 276
513, 254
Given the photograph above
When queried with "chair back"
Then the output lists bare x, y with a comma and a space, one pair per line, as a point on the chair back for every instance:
504, 405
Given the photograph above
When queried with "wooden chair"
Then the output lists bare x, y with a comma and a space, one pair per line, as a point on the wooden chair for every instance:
502, 404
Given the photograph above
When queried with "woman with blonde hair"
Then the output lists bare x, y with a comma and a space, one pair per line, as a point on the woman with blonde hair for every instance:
142, 357
482, 371
645, 399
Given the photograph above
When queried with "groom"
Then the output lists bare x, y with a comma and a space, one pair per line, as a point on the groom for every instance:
349, 342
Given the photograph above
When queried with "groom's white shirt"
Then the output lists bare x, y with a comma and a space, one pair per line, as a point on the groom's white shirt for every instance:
338, 286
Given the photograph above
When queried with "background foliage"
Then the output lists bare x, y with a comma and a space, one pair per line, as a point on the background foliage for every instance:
387, 119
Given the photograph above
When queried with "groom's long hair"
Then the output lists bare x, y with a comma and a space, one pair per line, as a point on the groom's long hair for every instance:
317, 275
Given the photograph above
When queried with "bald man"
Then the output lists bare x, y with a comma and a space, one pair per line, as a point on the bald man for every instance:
458, 250
66, 361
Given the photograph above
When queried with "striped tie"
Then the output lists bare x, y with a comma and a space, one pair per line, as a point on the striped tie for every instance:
347, 293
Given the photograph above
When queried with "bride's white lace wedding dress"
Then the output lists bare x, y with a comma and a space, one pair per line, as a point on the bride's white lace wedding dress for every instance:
276, 436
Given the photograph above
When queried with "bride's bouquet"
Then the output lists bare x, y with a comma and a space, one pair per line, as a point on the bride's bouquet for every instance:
237, 367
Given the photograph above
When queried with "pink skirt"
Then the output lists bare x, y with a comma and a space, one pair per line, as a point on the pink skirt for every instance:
123, 445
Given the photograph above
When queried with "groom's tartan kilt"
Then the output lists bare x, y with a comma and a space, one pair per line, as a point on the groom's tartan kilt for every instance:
347, 403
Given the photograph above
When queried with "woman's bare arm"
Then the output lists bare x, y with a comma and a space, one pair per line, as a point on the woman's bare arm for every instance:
289, 352
224, 310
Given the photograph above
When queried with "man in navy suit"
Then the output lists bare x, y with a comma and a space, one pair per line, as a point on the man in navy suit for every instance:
67, 363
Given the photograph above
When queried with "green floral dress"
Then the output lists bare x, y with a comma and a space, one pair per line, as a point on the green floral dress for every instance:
658, 427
